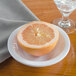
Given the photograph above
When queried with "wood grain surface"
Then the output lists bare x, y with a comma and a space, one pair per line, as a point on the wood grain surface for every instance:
45, 10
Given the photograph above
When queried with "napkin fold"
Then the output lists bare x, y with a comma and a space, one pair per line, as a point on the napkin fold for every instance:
13, 13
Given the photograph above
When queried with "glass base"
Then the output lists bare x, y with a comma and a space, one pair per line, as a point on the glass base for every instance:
68, 28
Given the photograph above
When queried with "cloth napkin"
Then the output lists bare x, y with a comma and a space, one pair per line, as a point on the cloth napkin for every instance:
13, 13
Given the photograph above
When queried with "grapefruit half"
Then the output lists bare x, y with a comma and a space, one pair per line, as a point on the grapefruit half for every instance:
37, 38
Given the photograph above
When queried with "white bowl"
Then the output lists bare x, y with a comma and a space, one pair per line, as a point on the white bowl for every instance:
60, 51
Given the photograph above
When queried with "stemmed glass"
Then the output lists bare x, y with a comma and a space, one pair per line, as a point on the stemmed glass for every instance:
66, 7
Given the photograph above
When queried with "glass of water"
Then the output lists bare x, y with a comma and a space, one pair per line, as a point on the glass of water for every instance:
66, 7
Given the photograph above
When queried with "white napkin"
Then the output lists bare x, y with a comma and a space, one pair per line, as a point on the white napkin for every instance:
13, 13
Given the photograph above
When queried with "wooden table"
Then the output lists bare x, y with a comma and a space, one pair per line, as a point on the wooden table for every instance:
46, 11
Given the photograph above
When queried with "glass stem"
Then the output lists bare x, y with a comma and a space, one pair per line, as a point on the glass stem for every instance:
64, 22
65, 18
